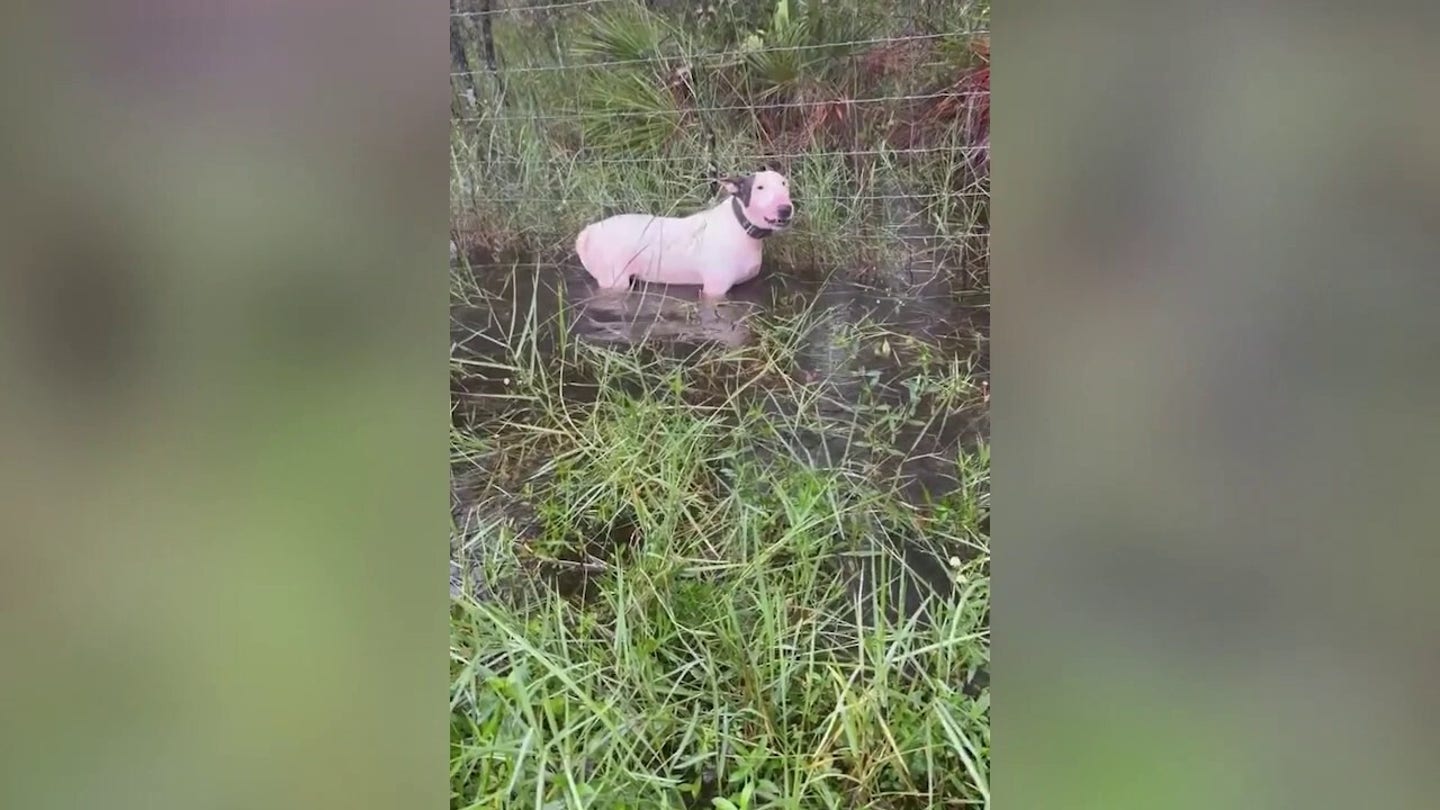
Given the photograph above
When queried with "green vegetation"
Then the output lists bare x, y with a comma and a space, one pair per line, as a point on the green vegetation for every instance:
671, 611
877, 109
701, 577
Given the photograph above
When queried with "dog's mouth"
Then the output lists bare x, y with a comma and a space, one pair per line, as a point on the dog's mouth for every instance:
778, 222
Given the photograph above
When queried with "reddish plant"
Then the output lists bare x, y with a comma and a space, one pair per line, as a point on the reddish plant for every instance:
968, 98
966, 103
900, 57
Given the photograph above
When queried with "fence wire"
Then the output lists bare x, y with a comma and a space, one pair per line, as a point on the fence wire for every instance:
519, 9
497, 10
913, 195
725, 56
784, 105
963, 151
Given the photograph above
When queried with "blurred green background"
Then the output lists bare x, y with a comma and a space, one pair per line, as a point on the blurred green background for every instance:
223, 422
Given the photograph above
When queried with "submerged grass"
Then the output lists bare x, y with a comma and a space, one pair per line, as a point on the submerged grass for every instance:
677, 609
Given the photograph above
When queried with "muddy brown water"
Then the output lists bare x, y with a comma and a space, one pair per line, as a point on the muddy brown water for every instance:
932, 306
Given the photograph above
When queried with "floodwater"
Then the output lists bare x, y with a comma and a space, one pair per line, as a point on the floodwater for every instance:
927, 304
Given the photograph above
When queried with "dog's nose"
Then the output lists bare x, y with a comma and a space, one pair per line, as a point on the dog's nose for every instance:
785, 211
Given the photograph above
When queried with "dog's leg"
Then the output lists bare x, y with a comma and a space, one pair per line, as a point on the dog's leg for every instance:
716, 287
612, 278
582, 252
600, 267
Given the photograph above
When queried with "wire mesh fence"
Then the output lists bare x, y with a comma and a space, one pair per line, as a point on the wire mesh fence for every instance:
877, 110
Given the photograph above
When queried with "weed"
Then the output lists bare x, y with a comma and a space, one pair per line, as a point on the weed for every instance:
689, 613
879, 113
703, 577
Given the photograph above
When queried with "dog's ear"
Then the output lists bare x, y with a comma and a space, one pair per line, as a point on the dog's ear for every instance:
739, 187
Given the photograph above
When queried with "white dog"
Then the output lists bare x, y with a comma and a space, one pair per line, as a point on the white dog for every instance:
716, 248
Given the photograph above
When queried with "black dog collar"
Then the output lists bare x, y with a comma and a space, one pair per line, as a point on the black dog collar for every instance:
751, 229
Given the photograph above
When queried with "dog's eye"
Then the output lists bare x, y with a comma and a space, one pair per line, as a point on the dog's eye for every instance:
760, 188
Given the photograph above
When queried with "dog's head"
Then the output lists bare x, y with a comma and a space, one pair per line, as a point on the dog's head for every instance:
765, 196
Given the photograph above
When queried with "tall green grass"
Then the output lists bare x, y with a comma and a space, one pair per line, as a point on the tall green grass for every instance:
611, 107
679, 611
